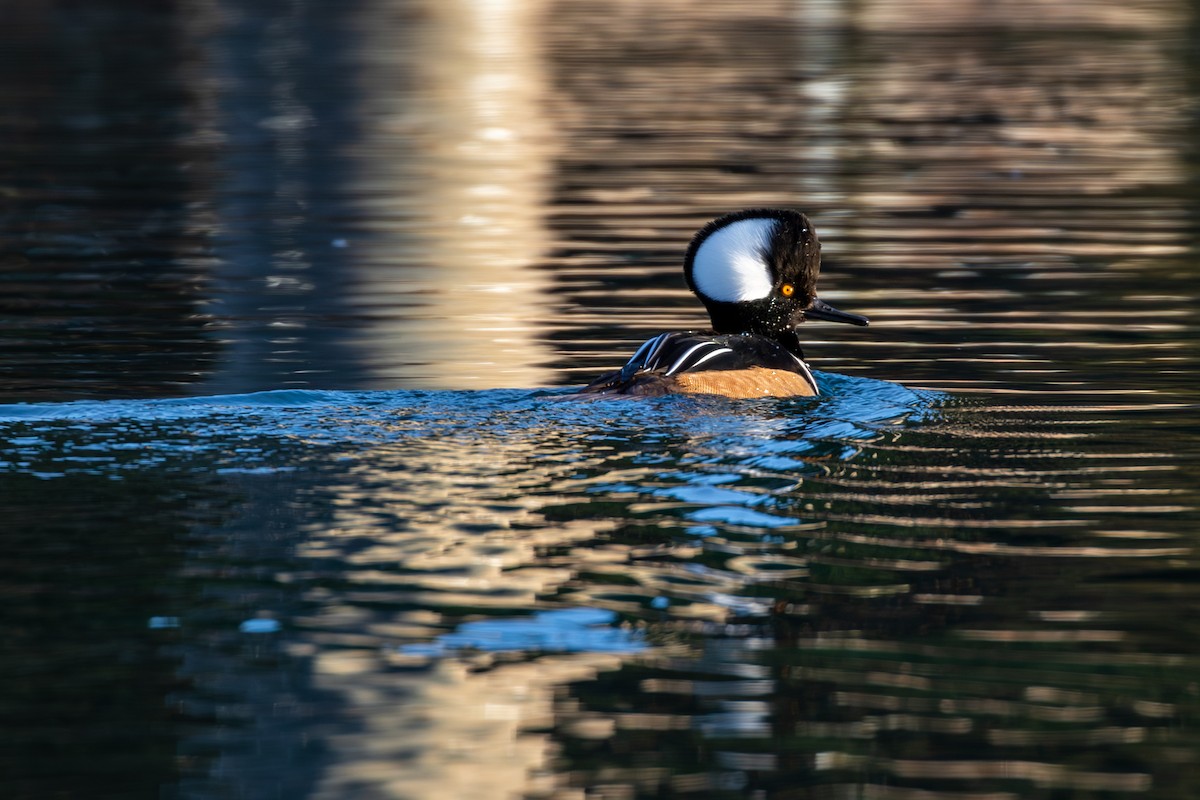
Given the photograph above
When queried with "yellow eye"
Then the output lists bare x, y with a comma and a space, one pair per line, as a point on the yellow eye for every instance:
787, 290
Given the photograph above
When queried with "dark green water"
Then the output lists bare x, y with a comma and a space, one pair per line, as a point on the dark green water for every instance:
294, 504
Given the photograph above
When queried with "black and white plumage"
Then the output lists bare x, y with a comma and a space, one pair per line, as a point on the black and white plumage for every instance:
756, 273
687, 352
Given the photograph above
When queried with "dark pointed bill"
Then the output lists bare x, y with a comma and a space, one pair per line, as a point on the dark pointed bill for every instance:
819, 309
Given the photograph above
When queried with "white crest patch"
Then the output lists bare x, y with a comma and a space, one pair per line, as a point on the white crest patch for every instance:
729, 265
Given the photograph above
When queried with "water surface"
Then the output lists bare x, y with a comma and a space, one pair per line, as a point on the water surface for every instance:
296, 502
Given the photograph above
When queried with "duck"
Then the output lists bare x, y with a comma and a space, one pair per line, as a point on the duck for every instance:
756, 272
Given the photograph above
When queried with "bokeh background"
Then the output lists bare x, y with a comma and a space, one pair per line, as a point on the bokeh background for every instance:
207, 197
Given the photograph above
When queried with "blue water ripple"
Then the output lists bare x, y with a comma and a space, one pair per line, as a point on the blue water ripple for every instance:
568, 630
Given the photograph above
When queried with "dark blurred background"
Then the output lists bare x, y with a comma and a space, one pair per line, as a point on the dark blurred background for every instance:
213, 197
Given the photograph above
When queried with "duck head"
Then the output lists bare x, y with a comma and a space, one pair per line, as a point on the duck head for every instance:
756, 272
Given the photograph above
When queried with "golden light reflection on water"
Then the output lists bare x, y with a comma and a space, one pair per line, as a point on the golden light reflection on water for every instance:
458, 732
464, 156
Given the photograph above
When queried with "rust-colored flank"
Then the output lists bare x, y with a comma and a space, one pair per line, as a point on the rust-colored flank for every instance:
745, 383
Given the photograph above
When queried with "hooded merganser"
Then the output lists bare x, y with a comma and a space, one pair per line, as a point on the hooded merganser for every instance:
756, 273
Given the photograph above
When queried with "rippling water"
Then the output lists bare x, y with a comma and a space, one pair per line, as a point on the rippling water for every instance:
297, 502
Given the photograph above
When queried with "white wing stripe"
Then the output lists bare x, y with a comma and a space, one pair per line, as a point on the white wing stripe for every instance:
651, 357
645, 346
688, 354
808, 376
713, 354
